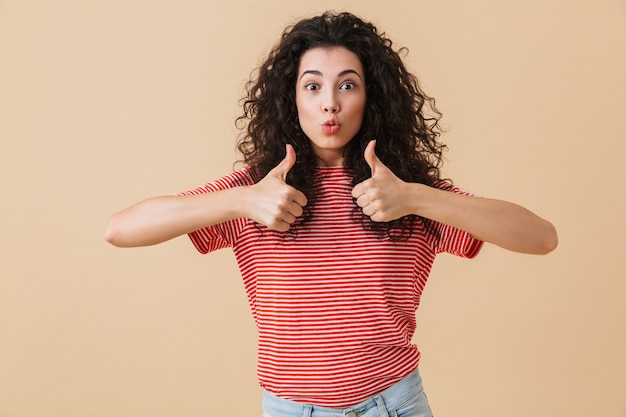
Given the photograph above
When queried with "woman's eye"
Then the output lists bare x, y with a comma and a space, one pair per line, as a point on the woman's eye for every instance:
311, 87
347, 86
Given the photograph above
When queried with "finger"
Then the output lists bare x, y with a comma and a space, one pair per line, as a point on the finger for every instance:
358, 190
370, 208
300, 199
281, 170
279, 226
293, 209
362, 189
288, 218
371, 158
362, 201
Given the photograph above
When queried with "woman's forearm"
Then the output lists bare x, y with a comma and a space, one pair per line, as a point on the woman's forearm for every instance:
502, 223
159, 219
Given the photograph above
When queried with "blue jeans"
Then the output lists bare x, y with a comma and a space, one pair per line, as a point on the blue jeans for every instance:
403, 399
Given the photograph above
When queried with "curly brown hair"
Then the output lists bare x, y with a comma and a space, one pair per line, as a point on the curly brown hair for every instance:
398, 114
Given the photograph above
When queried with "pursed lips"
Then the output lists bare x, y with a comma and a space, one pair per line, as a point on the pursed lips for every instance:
331, 126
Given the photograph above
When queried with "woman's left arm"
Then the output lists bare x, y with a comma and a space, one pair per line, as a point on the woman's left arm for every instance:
385, 197
502, 223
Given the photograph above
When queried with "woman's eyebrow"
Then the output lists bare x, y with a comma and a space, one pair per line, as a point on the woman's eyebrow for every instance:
341, 74
348, 71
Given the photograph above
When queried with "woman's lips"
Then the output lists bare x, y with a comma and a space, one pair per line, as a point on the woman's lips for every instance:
331, 127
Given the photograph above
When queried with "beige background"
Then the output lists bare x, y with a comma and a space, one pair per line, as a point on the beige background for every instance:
103, 103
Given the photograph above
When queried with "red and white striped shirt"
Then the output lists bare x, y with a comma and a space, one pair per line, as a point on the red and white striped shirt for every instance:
334, 304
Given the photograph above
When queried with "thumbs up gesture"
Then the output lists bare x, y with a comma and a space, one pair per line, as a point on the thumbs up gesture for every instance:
274, 203
382, 196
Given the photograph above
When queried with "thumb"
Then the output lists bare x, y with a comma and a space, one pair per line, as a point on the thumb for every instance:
281, 170
371, 158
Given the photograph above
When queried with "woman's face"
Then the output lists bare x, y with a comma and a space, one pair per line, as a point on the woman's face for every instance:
330, 98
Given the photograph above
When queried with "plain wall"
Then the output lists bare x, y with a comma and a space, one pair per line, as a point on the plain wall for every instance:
104, 103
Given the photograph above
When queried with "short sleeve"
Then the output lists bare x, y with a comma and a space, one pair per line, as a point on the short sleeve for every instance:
452, 240
222, 235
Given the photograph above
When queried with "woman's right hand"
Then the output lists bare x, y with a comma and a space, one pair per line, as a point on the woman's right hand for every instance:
272, 202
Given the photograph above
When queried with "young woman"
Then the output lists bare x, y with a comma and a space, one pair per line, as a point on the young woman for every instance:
335, 220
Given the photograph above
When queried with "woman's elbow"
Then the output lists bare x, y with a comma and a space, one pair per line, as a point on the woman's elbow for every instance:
549, 240
114, 232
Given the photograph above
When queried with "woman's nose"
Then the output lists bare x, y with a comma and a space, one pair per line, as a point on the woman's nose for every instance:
330, 104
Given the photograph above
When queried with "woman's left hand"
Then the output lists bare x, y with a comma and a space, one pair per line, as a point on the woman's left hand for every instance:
381, 196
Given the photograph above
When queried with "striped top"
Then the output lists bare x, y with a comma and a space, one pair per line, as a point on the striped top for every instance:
335, 304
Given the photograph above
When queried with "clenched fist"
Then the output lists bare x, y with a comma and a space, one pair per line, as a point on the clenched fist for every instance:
383, 196
274, 203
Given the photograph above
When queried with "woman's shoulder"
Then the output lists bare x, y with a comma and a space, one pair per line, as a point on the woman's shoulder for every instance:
448, 185
239, 177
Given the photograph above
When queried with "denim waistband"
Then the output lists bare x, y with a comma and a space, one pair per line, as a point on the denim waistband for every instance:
389, 399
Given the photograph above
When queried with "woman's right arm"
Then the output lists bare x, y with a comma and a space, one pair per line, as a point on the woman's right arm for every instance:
158, 219
270, 202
